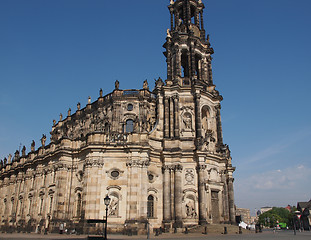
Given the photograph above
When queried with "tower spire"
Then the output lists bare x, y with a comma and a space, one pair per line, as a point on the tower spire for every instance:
188, 51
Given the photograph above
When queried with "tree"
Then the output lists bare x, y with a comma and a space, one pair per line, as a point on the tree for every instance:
276, 215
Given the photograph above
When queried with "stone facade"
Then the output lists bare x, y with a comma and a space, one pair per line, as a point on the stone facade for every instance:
158, 154
244, 215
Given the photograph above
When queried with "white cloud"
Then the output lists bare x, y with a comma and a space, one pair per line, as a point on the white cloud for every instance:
274, 188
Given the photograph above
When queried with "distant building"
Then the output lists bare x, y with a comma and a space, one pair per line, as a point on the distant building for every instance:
244, 215
289, 208
265, 209
305, 214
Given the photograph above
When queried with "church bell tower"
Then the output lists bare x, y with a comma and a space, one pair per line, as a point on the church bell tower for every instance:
188, 51
196, 164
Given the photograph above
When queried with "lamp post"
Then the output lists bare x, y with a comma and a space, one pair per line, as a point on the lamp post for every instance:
107, 202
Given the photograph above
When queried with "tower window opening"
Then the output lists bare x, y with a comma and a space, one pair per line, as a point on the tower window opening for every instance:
129, 126
184, 65
198, 66
193, 20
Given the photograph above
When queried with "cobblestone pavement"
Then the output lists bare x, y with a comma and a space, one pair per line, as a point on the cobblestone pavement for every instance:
267, 235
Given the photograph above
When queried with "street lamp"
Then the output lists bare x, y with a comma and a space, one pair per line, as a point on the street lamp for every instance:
107, 202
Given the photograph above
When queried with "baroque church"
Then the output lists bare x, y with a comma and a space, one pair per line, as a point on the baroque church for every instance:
159, 155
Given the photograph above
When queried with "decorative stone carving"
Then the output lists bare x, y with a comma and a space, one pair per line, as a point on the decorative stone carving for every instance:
60, 117
189, 176
69, 112
101, 93
178, 168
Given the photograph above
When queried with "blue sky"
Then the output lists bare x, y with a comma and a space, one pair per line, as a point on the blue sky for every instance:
54, 54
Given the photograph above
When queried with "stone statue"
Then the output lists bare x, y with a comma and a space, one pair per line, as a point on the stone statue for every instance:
101, 92
60, 117
43, 139
33, 144
89, 100
172, 2
159, 83
24, 151
116, 85
145, 85
78, 106
16, 155
54, 122
5, 161
187, 120
9, 158
168, 34
190, 211
69, 112
113, 207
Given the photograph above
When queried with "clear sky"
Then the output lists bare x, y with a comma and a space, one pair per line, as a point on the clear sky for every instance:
54, 54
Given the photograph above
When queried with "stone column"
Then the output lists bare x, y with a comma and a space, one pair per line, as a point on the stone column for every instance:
176, 117
202, 23
169, 61
197, 18
176, 19
171, 117
178, 62
218, 124
178, 196
172, 19
225, 198
166, 194
202, 194
192, 59
166, 117
231, 198
188, 67
198, 121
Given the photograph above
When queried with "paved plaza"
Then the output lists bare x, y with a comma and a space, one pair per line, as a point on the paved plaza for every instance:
267, 235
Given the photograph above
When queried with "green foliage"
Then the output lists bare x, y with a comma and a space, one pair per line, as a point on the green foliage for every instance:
274, 216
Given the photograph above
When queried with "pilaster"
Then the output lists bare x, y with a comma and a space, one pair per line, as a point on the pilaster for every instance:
202, 194
178, 196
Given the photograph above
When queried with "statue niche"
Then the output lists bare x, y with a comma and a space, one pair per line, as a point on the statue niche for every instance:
187, 126
190, 207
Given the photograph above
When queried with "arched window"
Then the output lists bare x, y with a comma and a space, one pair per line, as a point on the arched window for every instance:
129, 126
79, 203
150, 206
